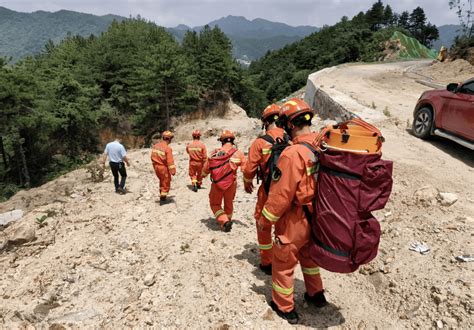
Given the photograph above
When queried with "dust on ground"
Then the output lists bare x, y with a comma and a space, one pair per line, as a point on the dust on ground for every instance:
448, 71
85, 256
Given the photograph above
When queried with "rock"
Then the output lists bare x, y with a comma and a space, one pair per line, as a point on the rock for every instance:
149, 279
438, 298
426, 196
22, 234
447, 199
11, 216
439, 324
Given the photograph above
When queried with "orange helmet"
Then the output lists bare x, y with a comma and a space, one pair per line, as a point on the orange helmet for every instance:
226, 134
271, 110
295, 107
196, 134
167, 135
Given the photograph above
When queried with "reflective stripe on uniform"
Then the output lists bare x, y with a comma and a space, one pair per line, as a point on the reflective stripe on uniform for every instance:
311, 271
265, 246
163, 194
172, 166
159, 152
235, 160
266, 151
269, 216
194, 149
311, 170
219, 213
279, 289
247, 180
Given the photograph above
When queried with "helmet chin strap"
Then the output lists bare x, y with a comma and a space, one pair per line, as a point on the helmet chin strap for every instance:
288, 128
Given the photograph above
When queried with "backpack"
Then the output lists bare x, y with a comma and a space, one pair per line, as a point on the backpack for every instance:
220, 170
277, 148
351, 183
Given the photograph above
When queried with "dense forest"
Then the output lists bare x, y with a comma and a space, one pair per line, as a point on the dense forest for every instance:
361, 38
134, 75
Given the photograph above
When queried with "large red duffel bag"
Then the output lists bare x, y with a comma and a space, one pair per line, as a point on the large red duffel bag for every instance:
220, 169
352, 181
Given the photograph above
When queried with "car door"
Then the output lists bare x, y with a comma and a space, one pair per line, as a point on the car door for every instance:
458, 114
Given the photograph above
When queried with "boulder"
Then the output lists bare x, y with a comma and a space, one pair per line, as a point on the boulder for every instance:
21, 234
11, 216
447, 199
426, 196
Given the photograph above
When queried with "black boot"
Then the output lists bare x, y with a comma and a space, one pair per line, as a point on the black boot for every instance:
292, 317
267, 269
227, 226
195, 187
318, 300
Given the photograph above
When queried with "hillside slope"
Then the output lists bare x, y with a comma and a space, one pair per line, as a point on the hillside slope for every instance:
251, 39
112, 261
24, 34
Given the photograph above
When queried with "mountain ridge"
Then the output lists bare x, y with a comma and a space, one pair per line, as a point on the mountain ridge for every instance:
23, 34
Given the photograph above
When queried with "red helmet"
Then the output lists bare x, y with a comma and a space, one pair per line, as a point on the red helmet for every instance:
271, 110
294, 108
196, 134
226, 134
167, 135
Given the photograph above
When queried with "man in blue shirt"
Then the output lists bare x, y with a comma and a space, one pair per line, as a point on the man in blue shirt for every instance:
117, 160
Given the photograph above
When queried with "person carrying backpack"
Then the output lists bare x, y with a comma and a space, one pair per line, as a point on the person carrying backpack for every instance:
197, 158
260, 152
292, 189
223, 165
163, 164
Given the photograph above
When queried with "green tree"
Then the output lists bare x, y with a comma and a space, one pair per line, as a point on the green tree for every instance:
375, 16
404, 20
464, 11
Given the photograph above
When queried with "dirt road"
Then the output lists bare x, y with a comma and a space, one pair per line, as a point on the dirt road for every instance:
112, 261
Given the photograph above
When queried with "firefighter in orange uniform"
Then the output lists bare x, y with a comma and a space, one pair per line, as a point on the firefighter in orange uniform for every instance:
293, 188
216, 195
163, 163
197, 158
259, 154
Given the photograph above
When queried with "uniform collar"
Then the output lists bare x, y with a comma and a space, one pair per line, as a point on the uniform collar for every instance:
309, 138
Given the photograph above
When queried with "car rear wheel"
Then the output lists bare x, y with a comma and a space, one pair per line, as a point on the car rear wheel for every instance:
422, 123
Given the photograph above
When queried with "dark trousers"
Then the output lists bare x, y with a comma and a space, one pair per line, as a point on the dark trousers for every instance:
116, 169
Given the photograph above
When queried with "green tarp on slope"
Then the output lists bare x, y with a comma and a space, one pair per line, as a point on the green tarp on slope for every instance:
413, 48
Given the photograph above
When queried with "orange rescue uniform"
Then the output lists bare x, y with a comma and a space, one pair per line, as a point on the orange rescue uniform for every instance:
163, 164
258, 156
216, 195
197, 158
284, 208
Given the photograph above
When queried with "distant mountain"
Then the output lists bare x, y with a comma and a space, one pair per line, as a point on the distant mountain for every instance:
447, 34
24, 34
252, 39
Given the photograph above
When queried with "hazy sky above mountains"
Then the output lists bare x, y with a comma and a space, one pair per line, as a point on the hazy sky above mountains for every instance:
199, 12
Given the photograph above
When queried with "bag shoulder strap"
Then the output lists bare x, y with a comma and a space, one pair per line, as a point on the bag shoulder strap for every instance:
310, 147
268, 138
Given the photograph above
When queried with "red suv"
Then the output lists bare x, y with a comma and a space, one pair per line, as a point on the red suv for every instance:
448, 113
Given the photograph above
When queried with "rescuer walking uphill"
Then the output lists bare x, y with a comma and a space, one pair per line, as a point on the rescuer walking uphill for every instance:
163, 164
197, 158
223, 165
291, 193
258, 157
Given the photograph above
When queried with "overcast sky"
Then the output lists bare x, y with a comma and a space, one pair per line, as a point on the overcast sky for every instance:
199, 12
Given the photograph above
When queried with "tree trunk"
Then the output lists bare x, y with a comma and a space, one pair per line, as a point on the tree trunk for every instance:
4, 156
24, 167
167, 107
